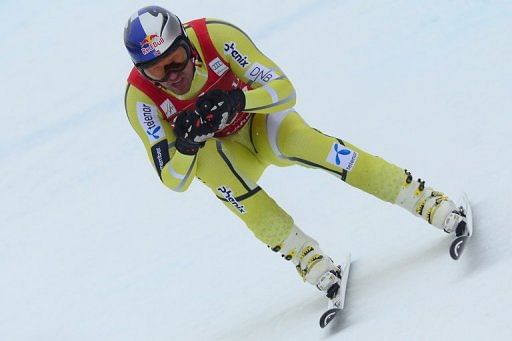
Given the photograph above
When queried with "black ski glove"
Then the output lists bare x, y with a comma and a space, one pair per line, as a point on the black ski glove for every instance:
191, 131
220, 107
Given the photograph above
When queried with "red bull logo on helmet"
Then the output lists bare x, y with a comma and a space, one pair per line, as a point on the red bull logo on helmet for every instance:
150, 43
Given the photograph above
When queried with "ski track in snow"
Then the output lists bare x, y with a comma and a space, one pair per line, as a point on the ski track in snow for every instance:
92, 246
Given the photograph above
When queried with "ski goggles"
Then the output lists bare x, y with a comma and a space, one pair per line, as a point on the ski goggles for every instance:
174, 59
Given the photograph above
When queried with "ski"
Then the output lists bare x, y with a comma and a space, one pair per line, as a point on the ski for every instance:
334, 307
459, 242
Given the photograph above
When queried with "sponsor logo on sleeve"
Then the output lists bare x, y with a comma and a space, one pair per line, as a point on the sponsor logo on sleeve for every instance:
260, 74
218, 66
230, 49
149, 120
160, 153
168, 108
342, 157
227, 193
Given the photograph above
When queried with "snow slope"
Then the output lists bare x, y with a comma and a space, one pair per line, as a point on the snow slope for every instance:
93, 247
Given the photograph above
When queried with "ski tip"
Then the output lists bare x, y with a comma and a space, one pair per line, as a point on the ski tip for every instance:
457, 247
328, 316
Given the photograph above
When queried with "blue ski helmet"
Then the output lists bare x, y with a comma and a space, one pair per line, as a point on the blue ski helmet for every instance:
150, 32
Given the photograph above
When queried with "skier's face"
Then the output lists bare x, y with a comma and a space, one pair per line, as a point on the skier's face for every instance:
179, 82
175, 71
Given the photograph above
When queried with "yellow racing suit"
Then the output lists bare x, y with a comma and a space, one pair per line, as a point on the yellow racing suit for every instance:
274, 135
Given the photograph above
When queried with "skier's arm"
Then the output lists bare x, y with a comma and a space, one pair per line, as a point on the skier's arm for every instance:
272, 91
176, 170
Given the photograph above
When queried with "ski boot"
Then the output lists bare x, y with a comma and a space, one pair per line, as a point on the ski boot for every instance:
431, 205
438, 210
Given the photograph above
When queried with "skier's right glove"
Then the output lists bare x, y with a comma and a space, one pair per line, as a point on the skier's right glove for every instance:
191, 132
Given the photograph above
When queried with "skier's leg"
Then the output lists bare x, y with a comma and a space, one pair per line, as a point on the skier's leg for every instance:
231, 170
285, 137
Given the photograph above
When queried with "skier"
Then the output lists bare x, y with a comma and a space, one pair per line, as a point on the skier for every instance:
207, 103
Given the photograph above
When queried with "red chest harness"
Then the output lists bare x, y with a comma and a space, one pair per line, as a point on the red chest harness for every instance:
220, 76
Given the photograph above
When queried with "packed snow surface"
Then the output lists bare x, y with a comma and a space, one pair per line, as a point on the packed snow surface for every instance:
94, 247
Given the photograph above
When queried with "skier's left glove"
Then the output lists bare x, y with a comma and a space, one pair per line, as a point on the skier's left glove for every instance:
220, 107
191, 132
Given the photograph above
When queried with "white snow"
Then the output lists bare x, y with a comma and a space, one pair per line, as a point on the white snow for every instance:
93, 247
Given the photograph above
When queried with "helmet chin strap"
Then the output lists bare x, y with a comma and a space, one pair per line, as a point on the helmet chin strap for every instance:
196, 58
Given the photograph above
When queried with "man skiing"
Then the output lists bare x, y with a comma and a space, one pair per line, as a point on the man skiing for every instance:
208, 104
